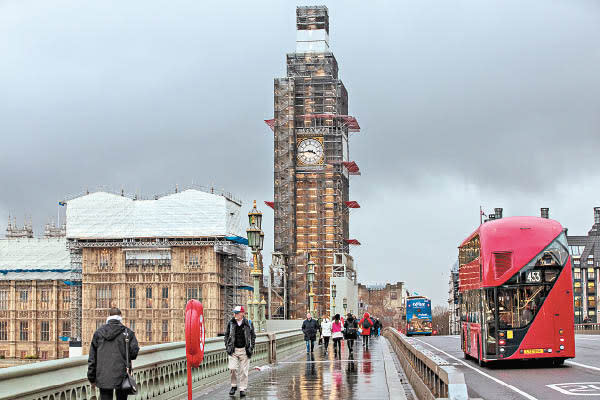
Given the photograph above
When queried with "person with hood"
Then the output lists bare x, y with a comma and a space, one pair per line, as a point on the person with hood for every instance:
337, 335
351, 329
366, 324
310, 328
107, 365
326, 332
239, 344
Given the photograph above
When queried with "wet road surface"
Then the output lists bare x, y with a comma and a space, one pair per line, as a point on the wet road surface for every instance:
525, 380
319, 376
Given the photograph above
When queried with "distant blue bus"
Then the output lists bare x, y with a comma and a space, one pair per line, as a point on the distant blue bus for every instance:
418, 316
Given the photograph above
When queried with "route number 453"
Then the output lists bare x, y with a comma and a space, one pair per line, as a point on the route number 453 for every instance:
533, 276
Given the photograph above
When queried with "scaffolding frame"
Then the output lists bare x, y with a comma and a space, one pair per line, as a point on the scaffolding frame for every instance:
311, 215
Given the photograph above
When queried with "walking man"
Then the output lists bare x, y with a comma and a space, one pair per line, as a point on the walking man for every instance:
239, 344
107, 365
310, 328
351, 328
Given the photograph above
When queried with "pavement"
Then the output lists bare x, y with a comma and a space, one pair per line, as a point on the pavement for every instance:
321, 375
525, 379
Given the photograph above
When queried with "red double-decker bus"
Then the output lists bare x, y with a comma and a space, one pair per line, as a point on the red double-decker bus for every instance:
515, 291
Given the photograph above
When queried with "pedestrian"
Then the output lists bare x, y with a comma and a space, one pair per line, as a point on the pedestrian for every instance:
326, 332
380, 327
337, 335
351, 329
239, 344
310, 328
366, 324
376, 327
373, 330
107, 359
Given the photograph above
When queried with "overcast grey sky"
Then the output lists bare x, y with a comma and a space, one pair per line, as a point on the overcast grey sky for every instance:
461, 104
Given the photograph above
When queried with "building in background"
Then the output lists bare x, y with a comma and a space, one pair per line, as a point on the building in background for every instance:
149, 257
386, 302
453, 309
35, 301
311, 163
344, 288
585, 257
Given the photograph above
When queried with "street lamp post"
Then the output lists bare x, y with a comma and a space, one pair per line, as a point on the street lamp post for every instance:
345, 305
256, 238
311, 278
333, 295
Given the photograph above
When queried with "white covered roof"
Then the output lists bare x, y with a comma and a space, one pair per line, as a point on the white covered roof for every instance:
34, 258
191, 213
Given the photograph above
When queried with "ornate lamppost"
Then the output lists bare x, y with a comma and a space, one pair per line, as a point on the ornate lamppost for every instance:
345, 305
333, 294
311, 278
256, 238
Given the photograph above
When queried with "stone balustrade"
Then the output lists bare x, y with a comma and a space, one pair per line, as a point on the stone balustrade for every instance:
160, 370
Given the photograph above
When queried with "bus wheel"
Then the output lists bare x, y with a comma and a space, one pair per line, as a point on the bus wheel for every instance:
557, 362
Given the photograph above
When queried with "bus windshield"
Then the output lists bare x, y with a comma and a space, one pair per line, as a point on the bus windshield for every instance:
521, 298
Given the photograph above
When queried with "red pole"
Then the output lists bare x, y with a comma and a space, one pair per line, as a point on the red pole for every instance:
189, 381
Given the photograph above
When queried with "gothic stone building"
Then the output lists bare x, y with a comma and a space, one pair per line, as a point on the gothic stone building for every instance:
149, 257
585, 252
35, 302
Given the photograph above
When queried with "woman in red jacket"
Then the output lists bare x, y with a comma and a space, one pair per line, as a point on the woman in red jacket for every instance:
366, 324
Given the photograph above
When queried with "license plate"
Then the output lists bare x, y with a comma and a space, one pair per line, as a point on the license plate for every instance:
533, 351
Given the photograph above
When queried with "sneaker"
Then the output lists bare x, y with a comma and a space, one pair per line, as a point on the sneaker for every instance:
232, 390
242, 393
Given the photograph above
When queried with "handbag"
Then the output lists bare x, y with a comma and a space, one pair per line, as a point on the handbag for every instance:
129, 384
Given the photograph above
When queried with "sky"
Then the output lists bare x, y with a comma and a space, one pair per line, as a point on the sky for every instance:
462, 104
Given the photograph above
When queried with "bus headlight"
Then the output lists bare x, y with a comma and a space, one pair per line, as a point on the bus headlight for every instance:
561, 347
501, 349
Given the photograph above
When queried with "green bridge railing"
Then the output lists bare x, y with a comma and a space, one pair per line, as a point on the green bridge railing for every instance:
160, 370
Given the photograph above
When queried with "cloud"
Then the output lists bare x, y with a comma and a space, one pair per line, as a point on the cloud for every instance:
461, 104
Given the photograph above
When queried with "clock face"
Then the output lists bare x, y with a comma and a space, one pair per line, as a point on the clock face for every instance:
310, 152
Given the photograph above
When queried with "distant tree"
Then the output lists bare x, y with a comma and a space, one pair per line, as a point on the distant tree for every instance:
440, 319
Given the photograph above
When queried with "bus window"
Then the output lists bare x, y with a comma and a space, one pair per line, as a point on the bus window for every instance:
518, 306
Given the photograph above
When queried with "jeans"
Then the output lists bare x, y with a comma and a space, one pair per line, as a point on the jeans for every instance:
310, 345
366, 340
107, 394
325, 342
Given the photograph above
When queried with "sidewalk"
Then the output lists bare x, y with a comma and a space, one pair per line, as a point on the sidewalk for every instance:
319, 376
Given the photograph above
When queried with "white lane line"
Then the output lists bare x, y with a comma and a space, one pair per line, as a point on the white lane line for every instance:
582, 365
500, 382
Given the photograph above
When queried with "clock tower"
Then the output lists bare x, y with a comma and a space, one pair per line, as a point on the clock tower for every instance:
311, 165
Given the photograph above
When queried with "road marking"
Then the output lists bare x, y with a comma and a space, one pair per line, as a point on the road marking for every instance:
500, 382
578, 388
582, 365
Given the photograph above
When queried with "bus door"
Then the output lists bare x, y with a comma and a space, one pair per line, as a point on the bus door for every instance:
489, 324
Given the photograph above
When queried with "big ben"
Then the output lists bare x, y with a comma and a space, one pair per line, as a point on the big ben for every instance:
312, 168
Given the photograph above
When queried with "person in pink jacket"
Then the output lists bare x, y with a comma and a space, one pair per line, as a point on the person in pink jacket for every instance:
337, 335
366, 324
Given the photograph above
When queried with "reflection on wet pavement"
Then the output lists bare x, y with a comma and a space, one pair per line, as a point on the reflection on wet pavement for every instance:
322, 375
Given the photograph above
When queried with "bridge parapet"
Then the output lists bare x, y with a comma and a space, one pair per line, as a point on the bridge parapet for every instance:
430, 376
160, 370
588, 329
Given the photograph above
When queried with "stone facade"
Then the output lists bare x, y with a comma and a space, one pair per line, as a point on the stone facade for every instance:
384, 302
34, 315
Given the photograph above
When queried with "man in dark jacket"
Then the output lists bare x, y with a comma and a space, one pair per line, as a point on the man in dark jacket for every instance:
310, 328
239, 344
106, 361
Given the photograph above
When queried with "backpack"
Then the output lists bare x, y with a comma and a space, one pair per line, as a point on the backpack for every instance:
367, 324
